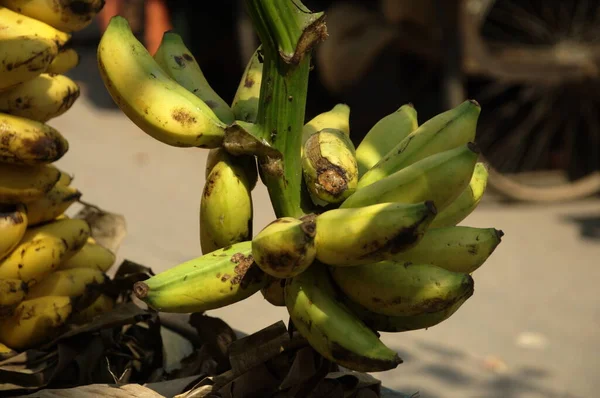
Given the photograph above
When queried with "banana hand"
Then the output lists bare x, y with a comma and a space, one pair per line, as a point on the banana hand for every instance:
24, 184
54, 203
15, 24
13, 223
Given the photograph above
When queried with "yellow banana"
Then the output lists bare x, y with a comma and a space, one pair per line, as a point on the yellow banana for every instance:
65, 60
329, 167
401, 289
331, 328
15, 24
337, 118
179, 63
35, 322
349, 237
466, 202
42, 98
64, 15
385, 135
442, 132
273, 292
24, 184
440, 178
23, 57
91, 255
43, 249
13, 223
12, 293
285, 247
245, 102
152, 100
6, 352
54, 203
211, 281
247, 164
73, 282
102, 304
225, 205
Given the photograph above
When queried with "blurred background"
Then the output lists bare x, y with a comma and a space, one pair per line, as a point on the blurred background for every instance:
531, 329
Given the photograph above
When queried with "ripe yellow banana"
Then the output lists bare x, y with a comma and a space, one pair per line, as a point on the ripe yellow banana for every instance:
43, 248
91, 255
64, 15
74, 282
349, 237
286, 246
466, 202
24, 184
6, 352
152, 100
442, 132
440, 178
245, 102
35, 322
385, 135
211, 281
331, 328
42, 98
225, 205
179, 63
246, 163
15, 24
13, 223
337, 118
12, 293
23, 57
102, 304
65, 60
54, 203
273, 292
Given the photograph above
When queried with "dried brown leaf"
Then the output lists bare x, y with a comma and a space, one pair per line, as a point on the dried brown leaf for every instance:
98, 390
108, 229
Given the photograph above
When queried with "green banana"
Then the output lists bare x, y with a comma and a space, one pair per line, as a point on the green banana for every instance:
331, 328
337, 118
402, 289
440, 178
285, 247
246, 163
245, 100
466, 202
442, 132
329, 166
157, 104
179, 63
384, 135
211, 281
349, 237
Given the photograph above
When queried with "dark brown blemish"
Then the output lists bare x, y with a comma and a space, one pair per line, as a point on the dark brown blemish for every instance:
10, 212
182, 116
179, 61
246, 271
225, 277
188, 57
248, 82
210, 185
42, 148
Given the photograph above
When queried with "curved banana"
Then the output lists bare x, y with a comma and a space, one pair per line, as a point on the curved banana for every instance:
12, 293
24, 184
24, 57
331, 328
245, 101
329, 166
54, 203
102, 304
91, 255
246, 163
440, 178
65, 60
13, 223
16, 24
43, 249
35, 322
273, 292
225, 276
42, 98
349, 237
152, 100
179, 63
285, 247
385, 135
73, 282
442, 132
466, 202
337, 118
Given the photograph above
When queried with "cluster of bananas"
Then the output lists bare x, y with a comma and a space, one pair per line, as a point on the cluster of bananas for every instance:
47, 260
381, 251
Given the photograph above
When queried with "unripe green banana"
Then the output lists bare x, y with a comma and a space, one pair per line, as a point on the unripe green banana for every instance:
211, 281
402, 289
442, 132
440, 178
331, 328
457, 249
246, 163
286, 246
329, 166
245, 101
274, 292
337, 118
179, 63
348, 237
384, 135
466, 202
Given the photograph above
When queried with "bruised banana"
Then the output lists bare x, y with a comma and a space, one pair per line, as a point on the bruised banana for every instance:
24, 184
440, 178
13, 223
65, 60
225, 205
35, 321
12, 293
73, 282
102, 304
54, 203
246, 163
157, 104
15, 24
385, 134
91, 255
245, 101
466, 202
442, 132
42, 98
329, 166
224, 276
24, 57
179, 63
401, 289
43, 249
350, 237
331, 328
285, 247
337, 118
274, 292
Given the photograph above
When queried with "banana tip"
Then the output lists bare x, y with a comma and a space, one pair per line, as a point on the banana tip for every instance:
499, 234
474, 102
141, 290
473, 147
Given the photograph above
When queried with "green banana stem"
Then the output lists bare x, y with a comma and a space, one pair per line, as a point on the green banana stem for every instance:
287, 31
